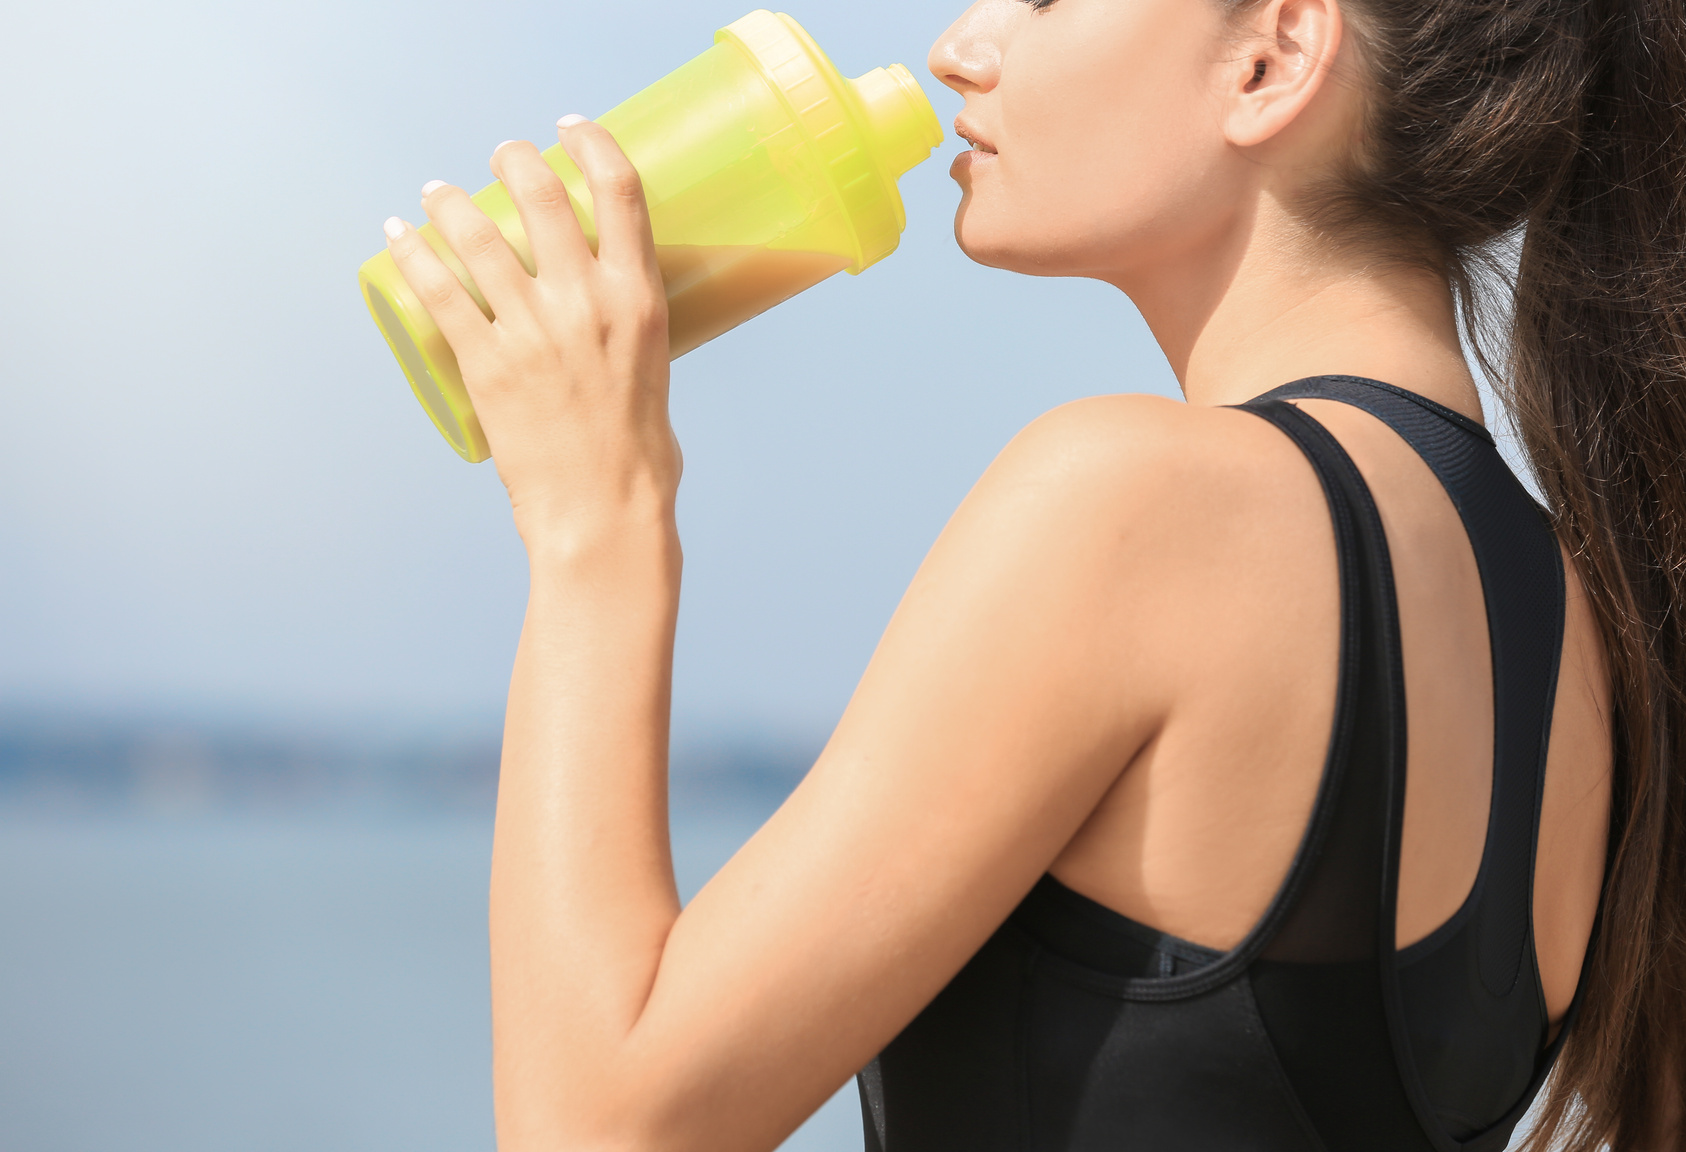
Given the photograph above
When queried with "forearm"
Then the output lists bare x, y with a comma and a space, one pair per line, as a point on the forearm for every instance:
583, 895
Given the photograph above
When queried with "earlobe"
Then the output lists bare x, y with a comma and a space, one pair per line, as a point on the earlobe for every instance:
1295, 44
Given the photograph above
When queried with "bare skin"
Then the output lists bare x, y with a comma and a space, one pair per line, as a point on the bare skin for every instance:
1117, 663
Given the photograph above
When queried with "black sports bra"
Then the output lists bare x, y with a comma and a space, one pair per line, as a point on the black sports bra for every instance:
1075, 1029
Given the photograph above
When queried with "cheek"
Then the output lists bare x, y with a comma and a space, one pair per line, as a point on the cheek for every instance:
1107, 158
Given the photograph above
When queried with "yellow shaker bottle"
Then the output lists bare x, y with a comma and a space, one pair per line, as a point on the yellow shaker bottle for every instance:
766, 172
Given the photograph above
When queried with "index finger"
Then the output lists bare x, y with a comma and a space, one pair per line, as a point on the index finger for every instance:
623, 217
459, 318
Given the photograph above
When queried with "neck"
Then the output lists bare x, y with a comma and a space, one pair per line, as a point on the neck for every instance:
1268, 304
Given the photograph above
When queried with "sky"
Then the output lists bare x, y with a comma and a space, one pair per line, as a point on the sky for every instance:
218, 497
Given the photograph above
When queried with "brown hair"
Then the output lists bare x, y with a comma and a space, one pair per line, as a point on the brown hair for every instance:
1534, 151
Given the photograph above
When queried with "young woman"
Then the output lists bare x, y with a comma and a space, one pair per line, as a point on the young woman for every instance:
1263, 772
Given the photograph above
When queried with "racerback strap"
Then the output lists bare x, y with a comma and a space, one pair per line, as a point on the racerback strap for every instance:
1346, 905
1523, 586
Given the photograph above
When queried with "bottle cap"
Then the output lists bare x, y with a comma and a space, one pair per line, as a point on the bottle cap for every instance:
867, 132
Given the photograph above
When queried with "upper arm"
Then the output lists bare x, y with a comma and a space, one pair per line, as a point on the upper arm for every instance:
1014, 684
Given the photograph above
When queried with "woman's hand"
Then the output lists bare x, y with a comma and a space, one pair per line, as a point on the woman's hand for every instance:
570, 380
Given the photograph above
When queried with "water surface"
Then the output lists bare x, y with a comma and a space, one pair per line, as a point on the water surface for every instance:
268, 983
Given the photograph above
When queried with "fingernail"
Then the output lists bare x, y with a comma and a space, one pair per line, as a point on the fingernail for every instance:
502, 146
395, 227
432, 186
570, 120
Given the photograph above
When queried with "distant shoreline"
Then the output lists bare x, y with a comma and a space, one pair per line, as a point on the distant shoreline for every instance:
100, 765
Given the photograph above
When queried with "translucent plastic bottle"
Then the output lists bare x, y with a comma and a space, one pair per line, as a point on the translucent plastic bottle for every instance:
766, 172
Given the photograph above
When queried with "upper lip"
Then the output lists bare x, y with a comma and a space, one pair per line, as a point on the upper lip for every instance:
969, 134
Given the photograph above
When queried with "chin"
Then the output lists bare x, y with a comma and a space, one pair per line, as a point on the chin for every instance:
985, 242
995, 245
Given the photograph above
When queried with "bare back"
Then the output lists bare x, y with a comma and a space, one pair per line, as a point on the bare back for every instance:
1198, 833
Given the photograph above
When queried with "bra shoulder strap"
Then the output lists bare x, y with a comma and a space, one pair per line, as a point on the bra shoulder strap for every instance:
1321, 982
1354, 1047
1522, 584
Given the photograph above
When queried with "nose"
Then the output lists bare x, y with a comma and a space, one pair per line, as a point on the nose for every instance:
967, 58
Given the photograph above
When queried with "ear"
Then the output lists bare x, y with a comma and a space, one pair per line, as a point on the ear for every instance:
1288, 51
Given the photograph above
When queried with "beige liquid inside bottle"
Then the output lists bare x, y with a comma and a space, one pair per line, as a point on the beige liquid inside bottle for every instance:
710, 291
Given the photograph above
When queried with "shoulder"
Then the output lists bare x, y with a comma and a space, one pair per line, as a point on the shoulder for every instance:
1145, 464
1130, 517
1124, 547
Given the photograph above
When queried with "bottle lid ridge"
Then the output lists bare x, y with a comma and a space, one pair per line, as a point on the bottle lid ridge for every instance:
867, 132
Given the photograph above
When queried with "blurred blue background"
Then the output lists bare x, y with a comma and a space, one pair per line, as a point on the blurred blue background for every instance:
256, 618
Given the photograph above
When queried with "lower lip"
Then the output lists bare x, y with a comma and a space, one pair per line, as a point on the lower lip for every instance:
969, 160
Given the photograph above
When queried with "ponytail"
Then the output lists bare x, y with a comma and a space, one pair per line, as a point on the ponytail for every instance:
1597, 386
